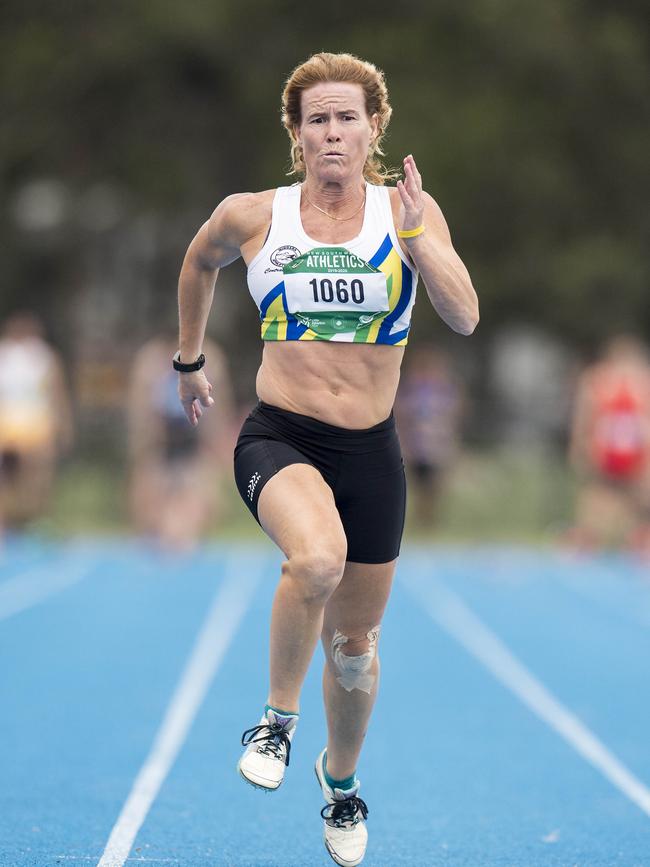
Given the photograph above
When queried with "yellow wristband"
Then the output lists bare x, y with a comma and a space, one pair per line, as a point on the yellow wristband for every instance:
410, 233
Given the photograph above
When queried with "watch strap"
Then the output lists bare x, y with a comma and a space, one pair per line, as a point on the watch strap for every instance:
190, 367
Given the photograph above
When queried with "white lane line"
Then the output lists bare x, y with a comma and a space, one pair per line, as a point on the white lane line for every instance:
461, 623
134, 859
28, 589
226, 613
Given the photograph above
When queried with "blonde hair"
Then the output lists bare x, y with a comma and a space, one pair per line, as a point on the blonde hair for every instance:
326, 67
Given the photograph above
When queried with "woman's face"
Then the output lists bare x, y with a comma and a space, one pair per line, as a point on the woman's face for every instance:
335, 132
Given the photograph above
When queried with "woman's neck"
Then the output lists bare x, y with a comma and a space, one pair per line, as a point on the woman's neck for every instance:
335, 197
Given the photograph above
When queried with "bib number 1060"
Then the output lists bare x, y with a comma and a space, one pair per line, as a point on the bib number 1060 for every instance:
326, 290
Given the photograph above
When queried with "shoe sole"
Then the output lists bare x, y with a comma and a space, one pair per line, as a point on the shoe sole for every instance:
335, 858
258, 786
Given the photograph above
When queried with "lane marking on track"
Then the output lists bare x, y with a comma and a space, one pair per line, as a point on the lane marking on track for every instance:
134, 859
228, 608
29, 588
451, 613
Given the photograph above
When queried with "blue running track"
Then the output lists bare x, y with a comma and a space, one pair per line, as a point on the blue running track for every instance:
512, 727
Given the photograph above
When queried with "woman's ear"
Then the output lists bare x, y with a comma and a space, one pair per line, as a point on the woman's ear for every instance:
374, 123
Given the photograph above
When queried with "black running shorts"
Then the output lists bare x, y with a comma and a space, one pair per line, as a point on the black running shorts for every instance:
364, 469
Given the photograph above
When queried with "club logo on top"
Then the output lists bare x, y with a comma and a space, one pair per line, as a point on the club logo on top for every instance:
282, 256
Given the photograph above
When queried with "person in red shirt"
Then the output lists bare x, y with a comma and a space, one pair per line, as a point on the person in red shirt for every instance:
610, 447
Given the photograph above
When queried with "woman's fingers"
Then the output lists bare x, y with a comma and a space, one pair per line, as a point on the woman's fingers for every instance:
413, 179
195, 391
205, 399
192, 408
410, 190
188, 408
416, 173
411, 186
404, 195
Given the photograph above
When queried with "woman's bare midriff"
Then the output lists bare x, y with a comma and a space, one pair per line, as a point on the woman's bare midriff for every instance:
347, 385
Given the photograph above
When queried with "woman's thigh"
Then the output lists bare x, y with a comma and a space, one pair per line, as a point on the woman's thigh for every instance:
296, 510
370, 494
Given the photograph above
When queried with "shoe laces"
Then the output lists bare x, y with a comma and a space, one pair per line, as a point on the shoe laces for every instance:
273, 738
343, 813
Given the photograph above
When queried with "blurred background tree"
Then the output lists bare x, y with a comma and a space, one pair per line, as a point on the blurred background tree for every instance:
125, 123
529, 121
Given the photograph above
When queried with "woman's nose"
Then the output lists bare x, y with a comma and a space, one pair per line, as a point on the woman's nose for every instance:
333, 131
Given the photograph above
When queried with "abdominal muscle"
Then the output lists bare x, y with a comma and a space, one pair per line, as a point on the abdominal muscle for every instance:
347, 385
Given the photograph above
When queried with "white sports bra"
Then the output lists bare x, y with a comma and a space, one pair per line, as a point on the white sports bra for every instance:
359, 291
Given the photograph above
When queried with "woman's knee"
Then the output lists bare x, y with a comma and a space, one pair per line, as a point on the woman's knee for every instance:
349, 640
318, 570
353, 658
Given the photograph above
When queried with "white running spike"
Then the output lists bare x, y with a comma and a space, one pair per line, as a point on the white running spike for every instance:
345, 836
264, 761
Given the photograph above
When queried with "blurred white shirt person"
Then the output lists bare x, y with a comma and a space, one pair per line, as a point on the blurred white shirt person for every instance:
35, 419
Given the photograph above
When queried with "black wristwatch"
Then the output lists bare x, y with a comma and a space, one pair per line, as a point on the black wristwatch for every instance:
187, 368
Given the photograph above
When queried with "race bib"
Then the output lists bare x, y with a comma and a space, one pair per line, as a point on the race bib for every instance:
330, 290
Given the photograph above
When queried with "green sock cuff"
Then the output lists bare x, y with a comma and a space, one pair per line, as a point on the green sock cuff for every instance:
281, 712
347, 783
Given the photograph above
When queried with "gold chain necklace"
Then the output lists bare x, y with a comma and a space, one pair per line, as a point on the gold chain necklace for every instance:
338, 219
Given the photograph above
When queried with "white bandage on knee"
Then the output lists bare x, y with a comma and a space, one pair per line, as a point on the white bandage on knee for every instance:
354, 671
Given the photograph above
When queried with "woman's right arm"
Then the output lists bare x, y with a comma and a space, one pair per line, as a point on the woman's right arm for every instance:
216, 244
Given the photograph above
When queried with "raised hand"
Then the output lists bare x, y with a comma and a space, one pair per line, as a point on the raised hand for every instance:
410, 190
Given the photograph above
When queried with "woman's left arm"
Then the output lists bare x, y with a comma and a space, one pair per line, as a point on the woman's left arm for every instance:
446, 279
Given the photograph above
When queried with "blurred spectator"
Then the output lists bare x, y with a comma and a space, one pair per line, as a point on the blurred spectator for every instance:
610, 448
176, 469
529, 371
35, 419
429, 403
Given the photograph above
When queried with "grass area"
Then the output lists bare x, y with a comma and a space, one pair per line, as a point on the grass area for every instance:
504, 495
88, 498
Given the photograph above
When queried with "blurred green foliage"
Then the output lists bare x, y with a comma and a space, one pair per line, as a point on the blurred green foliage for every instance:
499, 495
529, 122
